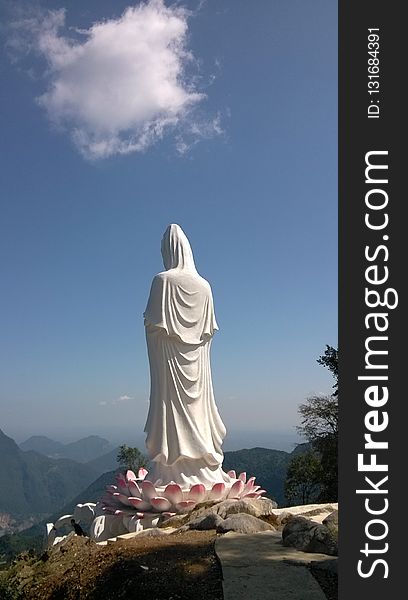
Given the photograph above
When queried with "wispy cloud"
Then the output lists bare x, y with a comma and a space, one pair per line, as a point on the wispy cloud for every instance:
124, 398
119, 400
121, 85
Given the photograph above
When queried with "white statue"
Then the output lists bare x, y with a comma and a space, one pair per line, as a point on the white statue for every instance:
184, 429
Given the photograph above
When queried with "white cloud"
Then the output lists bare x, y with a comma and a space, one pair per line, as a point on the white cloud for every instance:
122, 84
124, 398
118, 400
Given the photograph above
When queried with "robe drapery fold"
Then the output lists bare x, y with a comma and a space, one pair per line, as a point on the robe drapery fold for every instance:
184, 429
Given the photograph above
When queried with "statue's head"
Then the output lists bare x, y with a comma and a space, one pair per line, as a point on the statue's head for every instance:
176, 250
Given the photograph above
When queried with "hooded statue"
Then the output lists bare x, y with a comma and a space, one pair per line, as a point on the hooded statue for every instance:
184, 429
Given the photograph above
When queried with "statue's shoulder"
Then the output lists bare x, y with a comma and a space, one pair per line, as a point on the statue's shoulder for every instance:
160, 276
178, 277
205, 283
165, 277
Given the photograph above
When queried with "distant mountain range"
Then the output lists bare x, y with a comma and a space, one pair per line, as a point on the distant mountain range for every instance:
33, 484
83, 450
106, 462
33, 536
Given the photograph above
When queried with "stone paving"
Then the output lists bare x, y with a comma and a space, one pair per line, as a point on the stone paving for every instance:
259, 567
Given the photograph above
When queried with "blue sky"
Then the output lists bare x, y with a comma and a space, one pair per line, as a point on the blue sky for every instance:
243, 155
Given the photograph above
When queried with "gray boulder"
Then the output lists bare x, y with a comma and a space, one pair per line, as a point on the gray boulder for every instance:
257, 507
204, 522
310, 536
332, 519
243, 523
176, 521
153, 532
209, 516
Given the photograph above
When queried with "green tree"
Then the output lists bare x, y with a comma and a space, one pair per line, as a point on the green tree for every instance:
330, 359
303, 479
130, 458
319, 425
319, 418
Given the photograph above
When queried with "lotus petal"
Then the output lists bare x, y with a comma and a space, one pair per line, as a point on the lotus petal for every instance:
134, 489
141, 474
167, 514
64, 520
139, 504
249, 485
108, 498
148, 490
160, 503
112, 488
236, 489
123, 512
130, 476
242, 476
107, 526
253, 495
250, 490
134, 525
217, 491
232, 474
97, 528
151, 520
129, 515
123, 498
185, 505
85, 513
174, 493
261, 492
122, 485
108, 509
197, 493
116, 526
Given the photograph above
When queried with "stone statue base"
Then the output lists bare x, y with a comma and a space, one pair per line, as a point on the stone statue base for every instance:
135, 503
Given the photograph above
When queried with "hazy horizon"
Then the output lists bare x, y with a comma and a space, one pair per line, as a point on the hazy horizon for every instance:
235, 440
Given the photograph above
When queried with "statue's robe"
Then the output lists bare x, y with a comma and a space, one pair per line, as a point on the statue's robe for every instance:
184, 429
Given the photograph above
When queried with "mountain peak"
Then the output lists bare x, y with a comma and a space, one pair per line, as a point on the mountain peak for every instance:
7, 444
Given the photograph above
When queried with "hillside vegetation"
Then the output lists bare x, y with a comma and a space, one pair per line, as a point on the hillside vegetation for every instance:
32, 484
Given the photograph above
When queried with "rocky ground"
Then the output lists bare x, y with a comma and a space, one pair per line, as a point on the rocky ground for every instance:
177, 567
175, 563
